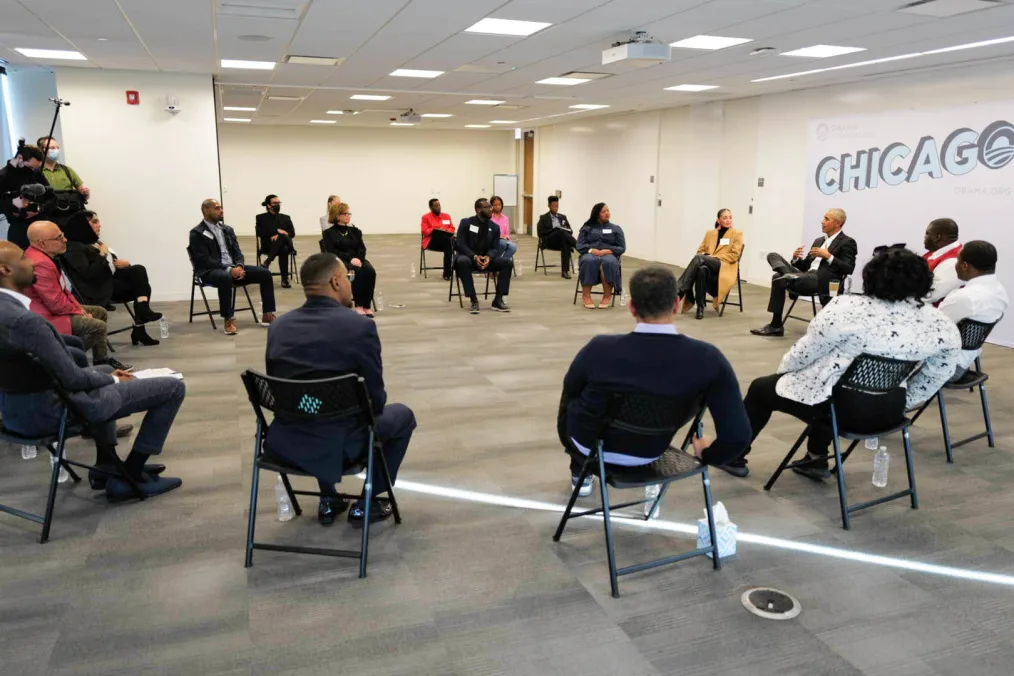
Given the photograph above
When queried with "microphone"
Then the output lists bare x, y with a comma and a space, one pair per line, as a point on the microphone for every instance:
59, 101
33, 191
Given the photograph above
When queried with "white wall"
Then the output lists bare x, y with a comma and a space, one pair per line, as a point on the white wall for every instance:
31, 90
710, 156
148, 170
386, 175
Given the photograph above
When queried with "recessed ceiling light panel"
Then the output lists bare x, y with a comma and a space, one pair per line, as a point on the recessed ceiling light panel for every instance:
503, 121
323, 121
589, 106
369, 97
509, 27
691, 88
312, 60
823, 51
239, 109
62, 54
477, 126
248, 65
237, 119
285, 98
437, 115
483, 102
709, 42
562, 81
409, 72
403, 124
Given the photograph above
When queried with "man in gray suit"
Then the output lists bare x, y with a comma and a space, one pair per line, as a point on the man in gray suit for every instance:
101, 394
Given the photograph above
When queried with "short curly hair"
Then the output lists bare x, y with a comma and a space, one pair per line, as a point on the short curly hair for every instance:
897, 274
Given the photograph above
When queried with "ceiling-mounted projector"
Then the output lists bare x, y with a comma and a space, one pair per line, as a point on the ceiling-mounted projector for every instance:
640, 50
410, 117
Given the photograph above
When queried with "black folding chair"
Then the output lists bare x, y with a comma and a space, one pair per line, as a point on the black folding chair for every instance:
739, 290
422, 257
813, 302
541, 253
973, 337
198, 284
649, 416
455, 281
22, 373
293, 262
869, 383
313, 402
577, 287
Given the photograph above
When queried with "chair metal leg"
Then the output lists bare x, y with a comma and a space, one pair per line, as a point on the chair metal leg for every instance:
607, 525
716, 560
946, 427
54, 479
207, 306
254, 488
910, 466
249, 302
985, 414
390, 484
573, 498
192, 287
368, 503
789, 313
577, 288
843, 499
422, 262
787, 459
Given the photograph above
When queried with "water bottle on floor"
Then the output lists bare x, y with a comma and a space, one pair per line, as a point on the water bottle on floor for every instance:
411, 271
28, 452
519, 267
873, 443
285, 511
624, 298
163, 328
880, 463
650, 493
379, 300
64, 476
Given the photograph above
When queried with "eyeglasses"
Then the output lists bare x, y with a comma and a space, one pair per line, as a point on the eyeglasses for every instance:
58, 238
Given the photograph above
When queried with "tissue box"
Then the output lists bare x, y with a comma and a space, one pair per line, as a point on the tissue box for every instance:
726, 537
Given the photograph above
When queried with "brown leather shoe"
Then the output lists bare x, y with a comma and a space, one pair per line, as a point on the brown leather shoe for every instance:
267, 318
230, 327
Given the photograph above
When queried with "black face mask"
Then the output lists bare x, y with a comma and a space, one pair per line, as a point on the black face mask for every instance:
275, 209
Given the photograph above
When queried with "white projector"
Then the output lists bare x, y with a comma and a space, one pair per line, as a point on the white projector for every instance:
638, 53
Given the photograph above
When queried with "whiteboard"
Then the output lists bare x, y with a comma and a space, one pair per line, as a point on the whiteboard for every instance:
505, 186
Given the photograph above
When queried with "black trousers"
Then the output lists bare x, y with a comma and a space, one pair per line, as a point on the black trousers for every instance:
699, 279
281, 249
223, 281
465, 265
562, 241
394, 428
130, 283
364, 284
803, 283
761, 401
441, 240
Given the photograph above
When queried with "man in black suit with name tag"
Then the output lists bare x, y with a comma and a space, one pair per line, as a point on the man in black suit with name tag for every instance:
477, 241
556, 235
831, 256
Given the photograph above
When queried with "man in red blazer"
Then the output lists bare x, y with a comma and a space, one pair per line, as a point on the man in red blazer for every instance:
438, 234
53, 299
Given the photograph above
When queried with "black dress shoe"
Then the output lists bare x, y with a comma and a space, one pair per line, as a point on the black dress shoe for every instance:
738, 471
566, 274
115, 364
768, 330
817, 473
286, 285
121, 431
379, 510
700, 312
329, 509
98, 481
118, 490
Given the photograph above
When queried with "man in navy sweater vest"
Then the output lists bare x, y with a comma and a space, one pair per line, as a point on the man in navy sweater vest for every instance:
653, 359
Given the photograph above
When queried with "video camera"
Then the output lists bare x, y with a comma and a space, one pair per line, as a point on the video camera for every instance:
37, 197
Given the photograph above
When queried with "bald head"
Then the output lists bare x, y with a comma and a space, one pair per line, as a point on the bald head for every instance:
17, 272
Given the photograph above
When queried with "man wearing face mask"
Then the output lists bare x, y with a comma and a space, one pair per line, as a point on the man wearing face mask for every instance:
20, 170
274, 233
60, 176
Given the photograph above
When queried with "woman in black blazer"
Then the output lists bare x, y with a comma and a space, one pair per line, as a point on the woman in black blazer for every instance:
100, 277
274, 236
345, 241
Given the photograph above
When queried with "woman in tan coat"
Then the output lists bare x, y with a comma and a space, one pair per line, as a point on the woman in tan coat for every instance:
715, 268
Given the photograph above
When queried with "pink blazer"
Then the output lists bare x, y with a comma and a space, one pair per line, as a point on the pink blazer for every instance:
51, 295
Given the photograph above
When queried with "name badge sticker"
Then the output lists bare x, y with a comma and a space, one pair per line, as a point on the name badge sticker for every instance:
724, 241
473, 228
447, 222
208, 235
607, 231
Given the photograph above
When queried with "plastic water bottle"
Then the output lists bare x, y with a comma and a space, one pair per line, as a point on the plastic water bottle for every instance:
411, 272
64, 476
873, 443
163, 327
880, 464
519, 267
650, 493
848, 285
285, 511
28, 452
624, 298
379, 300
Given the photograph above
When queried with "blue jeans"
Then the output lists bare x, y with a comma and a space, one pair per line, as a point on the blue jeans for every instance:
506, 249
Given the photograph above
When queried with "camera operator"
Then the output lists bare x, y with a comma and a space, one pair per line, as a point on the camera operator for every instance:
71, 194
20, 211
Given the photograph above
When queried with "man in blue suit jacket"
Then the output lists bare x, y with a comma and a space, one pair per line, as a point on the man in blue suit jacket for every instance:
322, 339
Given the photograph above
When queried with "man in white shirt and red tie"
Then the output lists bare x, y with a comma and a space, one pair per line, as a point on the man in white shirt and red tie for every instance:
438, 234
982, 298
943, 247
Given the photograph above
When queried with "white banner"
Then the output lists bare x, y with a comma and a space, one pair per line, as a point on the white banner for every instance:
893, 173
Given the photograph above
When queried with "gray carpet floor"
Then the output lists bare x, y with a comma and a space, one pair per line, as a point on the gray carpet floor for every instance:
469, 587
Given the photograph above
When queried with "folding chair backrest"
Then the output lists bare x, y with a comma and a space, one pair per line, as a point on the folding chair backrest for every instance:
320, 243
648, 415
193, 266
974, 334
20, 372
871, 383
309, 401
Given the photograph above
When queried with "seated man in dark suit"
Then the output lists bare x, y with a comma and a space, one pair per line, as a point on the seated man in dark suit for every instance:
831, 256
478, 242
653, 359
102, 394
218, 261
556, 235
322, 339
275, 233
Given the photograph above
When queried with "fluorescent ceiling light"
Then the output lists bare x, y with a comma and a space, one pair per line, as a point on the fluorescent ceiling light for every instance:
313, 60
690, 88
403, 124
477, 126
369, 97
563, 81
51, 54
709, 42
249, 65
970, 45
483, 102
507, 27
503, 121
408, 72
589, 106
437, 115
244, 109
823, 51
323, 121
237, 119
872, 62
285, 98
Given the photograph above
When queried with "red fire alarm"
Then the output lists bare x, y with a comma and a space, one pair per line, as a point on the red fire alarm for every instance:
133, 98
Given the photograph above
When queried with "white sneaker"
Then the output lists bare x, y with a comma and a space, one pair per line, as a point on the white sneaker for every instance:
586, 487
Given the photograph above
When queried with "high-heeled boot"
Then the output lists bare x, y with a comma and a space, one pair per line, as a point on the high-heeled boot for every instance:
144, 314
140, 337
